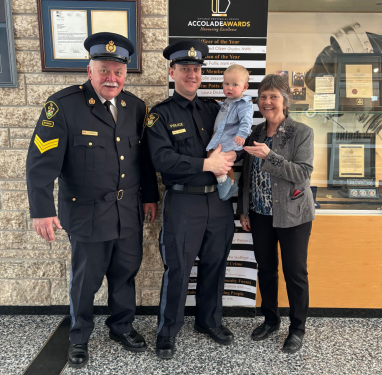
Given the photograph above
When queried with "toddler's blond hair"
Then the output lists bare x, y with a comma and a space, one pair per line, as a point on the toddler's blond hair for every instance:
239, 69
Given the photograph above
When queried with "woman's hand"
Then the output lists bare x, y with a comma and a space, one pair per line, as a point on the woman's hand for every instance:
245, 223
260, 150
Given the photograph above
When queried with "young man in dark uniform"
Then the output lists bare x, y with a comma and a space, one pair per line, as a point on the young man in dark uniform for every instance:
195, 221
91, 138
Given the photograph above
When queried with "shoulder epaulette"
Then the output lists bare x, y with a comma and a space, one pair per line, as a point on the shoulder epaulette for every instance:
130, 94
164, 101
68, 91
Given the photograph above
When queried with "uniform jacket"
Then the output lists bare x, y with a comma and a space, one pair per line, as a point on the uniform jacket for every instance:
77, 141
176, 148
290, 164
237, 122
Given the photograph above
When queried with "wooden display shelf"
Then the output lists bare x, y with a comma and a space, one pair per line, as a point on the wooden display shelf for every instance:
344, 263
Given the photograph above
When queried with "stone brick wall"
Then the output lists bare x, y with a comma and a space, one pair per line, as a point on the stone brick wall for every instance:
32, 271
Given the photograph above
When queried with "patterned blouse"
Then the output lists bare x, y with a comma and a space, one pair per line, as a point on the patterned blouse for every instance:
261, 192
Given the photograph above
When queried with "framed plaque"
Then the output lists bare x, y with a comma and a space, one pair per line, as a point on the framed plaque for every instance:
351, 157
8, 72
65, 24
358, 82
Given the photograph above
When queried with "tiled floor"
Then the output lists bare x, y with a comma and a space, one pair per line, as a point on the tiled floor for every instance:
331, 346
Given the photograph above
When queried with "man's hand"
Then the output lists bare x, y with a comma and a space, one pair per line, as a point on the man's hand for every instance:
239, 141
44, 227
152, 208
218, 163
229, 155
245, 223
260, 150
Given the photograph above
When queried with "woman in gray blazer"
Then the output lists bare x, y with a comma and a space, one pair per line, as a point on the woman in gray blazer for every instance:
276, 204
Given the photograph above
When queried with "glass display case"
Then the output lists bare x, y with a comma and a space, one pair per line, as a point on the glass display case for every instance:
332, 61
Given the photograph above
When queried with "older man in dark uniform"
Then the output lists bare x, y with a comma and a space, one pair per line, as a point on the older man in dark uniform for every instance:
91, 138
195, 221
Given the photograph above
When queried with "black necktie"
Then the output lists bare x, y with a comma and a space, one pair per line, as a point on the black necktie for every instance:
200, 125
107, 104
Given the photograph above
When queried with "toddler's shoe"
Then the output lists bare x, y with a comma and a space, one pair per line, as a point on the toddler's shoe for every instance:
234, 188
224, 188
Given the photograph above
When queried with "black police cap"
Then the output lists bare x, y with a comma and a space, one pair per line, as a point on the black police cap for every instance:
109, 46
186, 51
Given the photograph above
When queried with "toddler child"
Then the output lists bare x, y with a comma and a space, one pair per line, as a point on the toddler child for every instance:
233, 123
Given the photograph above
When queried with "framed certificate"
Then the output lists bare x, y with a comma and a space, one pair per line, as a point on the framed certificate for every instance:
351, 157
358, 81
65, 24
8, 72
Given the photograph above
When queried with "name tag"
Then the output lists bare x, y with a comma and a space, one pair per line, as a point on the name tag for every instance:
179, 131
47, 123
88, 132
179, 125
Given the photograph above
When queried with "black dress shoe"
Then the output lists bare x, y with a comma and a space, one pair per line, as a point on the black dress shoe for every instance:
132, 341
78, 355
222, 335
263, 331
292, 344
165, 347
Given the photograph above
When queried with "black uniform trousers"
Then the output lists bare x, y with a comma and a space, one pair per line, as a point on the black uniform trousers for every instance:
119, 260
294, 252
193, 225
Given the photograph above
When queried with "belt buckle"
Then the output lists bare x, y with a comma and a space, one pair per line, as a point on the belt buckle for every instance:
120, 195
209, 189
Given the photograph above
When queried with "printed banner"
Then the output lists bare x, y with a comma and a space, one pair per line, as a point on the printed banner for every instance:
235, 35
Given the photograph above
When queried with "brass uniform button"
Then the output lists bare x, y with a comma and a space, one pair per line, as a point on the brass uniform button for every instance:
202, 129
74, 199
90, 144
118, 139
122, 157
139, 141
123, 176
81, 87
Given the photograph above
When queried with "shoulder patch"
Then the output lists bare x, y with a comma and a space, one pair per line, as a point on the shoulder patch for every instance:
152, 119
45, 146
51, 109
68, 91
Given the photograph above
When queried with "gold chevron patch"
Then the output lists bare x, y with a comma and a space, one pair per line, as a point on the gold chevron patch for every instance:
45, 146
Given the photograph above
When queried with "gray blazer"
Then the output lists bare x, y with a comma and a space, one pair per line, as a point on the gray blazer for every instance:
290, 164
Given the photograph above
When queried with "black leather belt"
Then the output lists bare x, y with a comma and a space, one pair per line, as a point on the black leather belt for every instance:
90, 192
193, 189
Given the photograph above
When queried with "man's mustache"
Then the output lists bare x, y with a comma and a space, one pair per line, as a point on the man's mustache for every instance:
114, 84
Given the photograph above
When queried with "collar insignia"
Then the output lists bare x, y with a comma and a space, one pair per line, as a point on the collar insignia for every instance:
123, 103
91, 101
